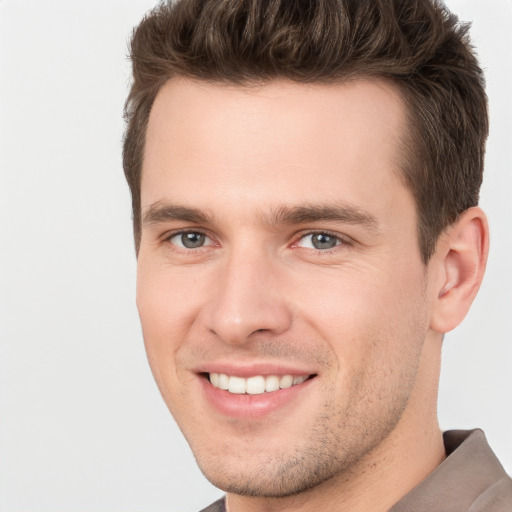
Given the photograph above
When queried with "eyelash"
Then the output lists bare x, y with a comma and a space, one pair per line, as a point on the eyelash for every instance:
341, 241
168, 239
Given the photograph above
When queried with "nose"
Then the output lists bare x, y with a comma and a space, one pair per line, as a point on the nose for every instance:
248, 298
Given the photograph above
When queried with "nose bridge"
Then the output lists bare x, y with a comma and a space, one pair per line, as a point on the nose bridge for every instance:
247, 298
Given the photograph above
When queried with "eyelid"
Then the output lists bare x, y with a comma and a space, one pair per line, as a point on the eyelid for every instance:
341, 239
168, 236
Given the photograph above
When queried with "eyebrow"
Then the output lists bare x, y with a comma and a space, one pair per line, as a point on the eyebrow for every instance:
160, 212
348, 214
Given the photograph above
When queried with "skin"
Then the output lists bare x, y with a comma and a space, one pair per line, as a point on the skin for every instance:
261, 169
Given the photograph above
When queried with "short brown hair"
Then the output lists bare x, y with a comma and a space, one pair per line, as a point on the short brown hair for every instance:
417, 44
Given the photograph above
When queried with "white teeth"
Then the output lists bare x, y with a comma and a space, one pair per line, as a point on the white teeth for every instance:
286, 382
214, 379
236, 385
272, 383
254, 385
223, 381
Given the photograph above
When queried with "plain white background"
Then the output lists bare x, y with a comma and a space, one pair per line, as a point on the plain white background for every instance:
82, 426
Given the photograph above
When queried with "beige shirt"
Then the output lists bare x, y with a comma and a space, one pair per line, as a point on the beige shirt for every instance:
470, 479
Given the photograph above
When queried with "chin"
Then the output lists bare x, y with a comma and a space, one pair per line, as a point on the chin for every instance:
281, 482
276, 474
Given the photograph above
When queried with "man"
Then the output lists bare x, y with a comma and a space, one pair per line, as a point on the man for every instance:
305, 181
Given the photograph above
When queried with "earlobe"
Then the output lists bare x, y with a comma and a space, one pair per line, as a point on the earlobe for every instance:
461, 257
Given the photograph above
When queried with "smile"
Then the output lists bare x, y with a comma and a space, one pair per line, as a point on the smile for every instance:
256, 385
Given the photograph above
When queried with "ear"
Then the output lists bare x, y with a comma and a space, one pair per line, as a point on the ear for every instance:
460, 260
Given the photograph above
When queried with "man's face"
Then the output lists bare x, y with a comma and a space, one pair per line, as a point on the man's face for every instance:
279, 258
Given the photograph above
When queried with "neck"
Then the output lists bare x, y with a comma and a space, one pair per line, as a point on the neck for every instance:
372, 487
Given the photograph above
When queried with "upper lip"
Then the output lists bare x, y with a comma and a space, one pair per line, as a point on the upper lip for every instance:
253, 369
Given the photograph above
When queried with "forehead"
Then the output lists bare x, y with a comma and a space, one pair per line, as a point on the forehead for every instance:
280, 142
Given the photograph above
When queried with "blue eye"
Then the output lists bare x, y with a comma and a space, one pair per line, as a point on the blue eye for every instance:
190, 240
319, 241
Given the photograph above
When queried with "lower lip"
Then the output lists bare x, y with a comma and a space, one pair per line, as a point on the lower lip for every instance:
251, 406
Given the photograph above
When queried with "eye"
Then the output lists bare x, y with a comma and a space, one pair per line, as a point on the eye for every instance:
319, 241
190, 240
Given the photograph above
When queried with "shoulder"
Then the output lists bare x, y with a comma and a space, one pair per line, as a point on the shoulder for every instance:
218, 506
497, 498
470, 479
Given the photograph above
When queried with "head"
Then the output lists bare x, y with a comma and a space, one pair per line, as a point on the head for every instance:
304, 177
418, 47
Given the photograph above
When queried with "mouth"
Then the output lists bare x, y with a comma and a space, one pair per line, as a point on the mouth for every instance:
251, 393
255, 385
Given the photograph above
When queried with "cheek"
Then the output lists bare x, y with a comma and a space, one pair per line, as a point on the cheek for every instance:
166, 308
375, 334
167, 300
367, 313
161, 312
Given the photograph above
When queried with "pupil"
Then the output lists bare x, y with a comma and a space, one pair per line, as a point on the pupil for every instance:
323, 241
192, 240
